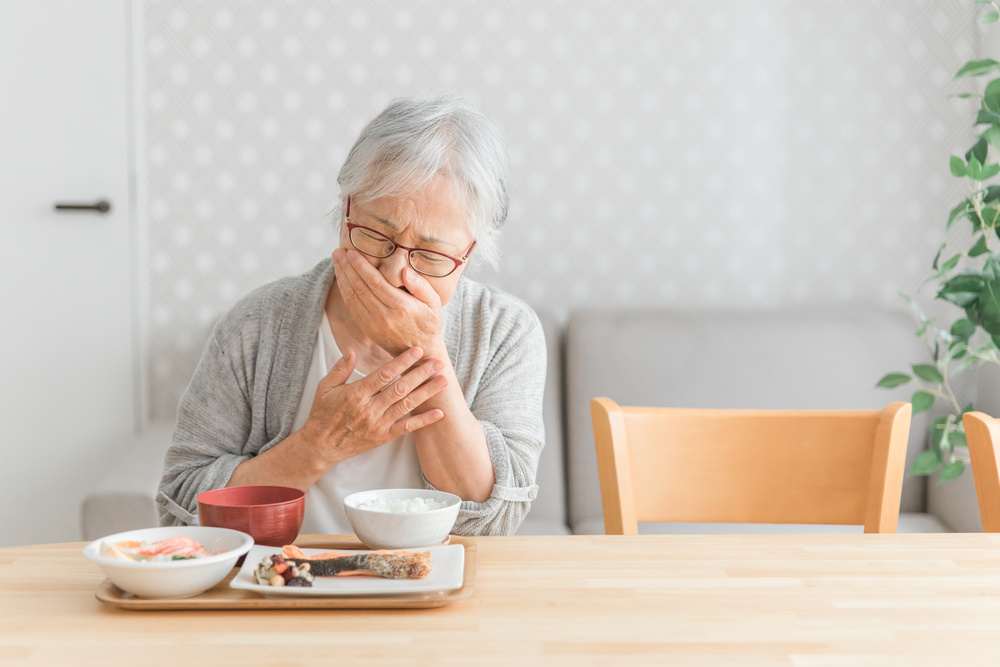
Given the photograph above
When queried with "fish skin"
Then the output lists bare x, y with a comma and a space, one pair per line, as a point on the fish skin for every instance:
389, 566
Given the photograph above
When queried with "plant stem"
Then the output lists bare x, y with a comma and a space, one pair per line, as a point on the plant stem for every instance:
951, 394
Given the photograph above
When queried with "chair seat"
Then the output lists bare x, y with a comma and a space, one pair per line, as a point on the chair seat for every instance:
909, 522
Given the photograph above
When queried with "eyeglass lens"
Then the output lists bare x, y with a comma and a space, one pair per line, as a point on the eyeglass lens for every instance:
424, 261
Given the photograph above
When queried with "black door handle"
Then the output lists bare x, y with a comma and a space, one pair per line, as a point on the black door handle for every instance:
101, 207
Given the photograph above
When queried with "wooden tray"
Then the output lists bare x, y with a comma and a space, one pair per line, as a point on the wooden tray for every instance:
221, 596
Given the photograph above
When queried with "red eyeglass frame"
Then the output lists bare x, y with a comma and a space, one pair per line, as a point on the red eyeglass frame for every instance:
351, 226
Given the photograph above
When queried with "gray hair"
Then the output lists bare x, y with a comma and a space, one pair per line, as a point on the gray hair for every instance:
412, 140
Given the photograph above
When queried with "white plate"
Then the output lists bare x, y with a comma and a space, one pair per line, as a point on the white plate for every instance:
447, 574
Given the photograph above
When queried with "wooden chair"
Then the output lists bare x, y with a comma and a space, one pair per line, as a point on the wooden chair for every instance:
983, 434
750, 466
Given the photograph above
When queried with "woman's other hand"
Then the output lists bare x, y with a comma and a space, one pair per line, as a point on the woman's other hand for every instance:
392, 318
349, 419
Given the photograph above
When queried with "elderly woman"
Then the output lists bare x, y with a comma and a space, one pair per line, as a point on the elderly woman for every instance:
382, 367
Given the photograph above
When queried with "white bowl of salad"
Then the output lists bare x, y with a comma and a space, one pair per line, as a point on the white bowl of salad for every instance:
175, 562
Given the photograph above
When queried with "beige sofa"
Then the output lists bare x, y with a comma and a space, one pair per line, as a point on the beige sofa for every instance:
792, 359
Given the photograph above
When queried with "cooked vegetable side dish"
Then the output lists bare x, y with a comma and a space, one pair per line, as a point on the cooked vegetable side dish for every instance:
175, 548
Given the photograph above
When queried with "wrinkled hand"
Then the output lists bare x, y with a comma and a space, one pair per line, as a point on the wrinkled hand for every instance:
391, 318
349, 419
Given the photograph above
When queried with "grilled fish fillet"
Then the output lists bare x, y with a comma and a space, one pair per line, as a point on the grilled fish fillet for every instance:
386, 564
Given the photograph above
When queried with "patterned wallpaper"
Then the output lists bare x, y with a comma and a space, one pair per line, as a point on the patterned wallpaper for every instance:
717, 154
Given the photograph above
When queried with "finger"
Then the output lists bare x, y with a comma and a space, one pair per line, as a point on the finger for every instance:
420, 288
405, 384
367, 280
341, 370
416, 398
410, 424
348, 284
377, 381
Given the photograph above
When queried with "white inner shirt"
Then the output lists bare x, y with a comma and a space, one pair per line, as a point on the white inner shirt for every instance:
393, 465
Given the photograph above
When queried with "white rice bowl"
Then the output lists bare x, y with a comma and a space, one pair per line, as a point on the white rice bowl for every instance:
172, 579
402, 518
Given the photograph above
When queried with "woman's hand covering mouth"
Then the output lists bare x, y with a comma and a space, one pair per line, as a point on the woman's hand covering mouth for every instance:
395, 319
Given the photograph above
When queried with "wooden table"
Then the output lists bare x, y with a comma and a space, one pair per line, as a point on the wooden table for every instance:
727, 600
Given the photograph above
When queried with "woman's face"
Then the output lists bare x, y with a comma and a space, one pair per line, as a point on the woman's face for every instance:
432, 218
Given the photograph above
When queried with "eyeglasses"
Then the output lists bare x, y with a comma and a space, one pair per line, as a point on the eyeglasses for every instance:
428, 262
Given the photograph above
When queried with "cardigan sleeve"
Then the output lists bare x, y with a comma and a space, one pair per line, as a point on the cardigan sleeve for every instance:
213, 426
508, 405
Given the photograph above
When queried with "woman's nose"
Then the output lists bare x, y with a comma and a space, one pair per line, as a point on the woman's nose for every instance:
391, 267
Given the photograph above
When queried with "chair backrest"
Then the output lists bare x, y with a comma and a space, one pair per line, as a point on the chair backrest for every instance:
983, 435
750, 466
786, 359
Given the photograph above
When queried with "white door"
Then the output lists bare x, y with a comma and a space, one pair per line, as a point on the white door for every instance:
66, 394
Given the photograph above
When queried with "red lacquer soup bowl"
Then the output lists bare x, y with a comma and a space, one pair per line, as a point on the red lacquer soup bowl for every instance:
272, 515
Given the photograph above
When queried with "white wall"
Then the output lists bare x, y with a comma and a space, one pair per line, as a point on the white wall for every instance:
722, 154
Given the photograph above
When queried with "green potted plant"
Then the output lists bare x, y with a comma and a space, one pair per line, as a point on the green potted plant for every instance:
965, 280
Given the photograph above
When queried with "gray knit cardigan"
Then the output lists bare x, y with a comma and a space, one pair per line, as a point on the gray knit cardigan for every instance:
246, 390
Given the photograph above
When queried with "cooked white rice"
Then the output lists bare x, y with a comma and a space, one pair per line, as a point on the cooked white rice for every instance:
379, 504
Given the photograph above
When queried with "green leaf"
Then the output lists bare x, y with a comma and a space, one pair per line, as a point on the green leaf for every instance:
967, 408
977, 68
961, 96
992, 136
967, 361
992, 194
974, 169
954, 469
893, 380
943, 271
966, 282
926, 463
985, 116
989, 171
991, 100
963, 329
989, 17
979, 149
923, 326
996, 340
991, 268
979, 247
938, 432
989, 307
922, 400
958, 349
957, 166
934, 264
928, 373
957, 439
962, 290
962, 210
983, 2
990, 214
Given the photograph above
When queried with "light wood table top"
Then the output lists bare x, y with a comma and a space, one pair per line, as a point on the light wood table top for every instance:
681, 599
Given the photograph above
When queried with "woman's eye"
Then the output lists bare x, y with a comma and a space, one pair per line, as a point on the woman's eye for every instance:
430, 258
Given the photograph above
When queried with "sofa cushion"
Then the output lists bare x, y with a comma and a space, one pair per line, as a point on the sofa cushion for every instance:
788, 359
548, 515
